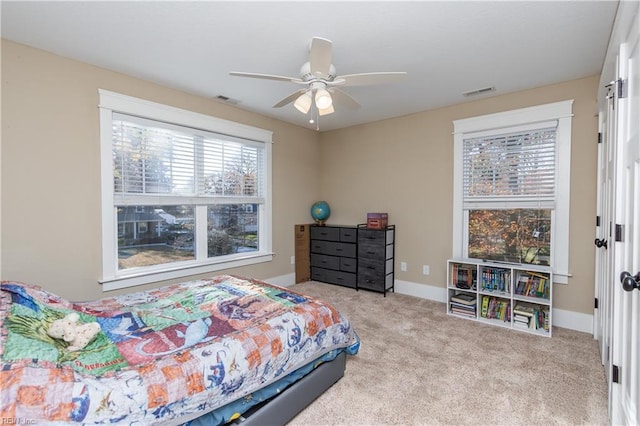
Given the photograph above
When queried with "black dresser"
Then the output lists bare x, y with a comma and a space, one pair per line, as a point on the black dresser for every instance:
333, 254
376, 248
353, 256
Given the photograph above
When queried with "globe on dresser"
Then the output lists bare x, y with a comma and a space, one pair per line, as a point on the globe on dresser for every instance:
320, 212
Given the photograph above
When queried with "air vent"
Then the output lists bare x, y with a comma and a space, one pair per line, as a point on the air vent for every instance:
479, 91
226, 99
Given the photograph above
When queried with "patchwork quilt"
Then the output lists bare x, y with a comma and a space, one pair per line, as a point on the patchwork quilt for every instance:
161, 355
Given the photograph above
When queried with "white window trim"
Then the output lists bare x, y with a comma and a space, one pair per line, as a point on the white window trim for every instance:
470, 127
112, 279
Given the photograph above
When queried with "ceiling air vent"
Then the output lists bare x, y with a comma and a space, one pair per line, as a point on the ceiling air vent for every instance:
479, 91
226, 99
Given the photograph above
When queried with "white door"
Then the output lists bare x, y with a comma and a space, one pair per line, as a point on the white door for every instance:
606, 168
605, 194
625, 396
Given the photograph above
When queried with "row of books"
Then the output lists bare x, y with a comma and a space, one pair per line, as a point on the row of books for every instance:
496, 308
463, 276
533, 284
494, 279
525, 316
463, 304
531, 317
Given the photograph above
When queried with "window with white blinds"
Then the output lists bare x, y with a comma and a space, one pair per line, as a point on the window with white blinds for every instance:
512, 186
518, 165
182, 193
155, 158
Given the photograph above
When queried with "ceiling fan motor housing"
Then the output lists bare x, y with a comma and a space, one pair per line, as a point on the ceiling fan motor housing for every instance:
307, 75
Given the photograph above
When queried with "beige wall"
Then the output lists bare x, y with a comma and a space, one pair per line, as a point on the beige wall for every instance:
51, 170
403, 166
51, 184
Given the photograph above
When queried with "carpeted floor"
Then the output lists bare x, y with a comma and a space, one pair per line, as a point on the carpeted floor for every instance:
419, 366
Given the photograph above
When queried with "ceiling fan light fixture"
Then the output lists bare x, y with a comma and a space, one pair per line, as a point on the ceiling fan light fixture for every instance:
303, 103
326, 111
323, 99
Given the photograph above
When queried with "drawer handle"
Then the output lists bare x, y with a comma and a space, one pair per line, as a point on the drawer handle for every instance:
323, 261
371, 267
370, 281
371, 252
338, 249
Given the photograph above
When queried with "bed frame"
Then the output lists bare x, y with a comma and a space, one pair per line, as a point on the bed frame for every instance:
285, 406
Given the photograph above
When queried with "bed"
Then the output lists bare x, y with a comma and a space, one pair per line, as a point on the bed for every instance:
203, 352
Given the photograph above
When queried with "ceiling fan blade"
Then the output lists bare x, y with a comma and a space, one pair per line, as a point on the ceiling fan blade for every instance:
320, 57
292, 97
343, 98
372, 78
266, 76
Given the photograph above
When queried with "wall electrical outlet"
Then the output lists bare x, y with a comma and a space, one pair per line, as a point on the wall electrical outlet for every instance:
293, 260
403, 266
425, 269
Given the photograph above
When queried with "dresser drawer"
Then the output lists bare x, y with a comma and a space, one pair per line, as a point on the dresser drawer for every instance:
333, 248
371, 251
324, 261
348, 264
380, 236
347, 279
325, 233
349, 235
371, 268
377, 283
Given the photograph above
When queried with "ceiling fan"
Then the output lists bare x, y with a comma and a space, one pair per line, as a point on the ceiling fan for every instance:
318, 75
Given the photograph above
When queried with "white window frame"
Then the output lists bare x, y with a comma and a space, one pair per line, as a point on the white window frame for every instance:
497, 124
112, 278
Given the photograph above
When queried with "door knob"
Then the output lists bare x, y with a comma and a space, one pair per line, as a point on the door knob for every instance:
629, 282
600, 243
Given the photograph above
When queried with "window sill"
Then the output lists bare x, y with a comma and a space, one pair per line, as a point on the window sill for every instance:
132, 280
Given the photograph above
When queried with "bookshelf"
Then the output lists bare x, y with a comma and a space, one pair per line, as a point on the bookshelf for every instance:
509, 295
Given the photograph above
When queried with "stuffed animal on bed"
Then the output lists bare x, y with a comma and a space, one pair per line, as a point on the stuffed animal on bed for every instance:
77, 335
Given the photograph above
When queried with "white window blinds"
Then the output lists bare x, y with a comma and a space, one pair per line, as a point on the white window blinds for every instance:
160, 159
518, 165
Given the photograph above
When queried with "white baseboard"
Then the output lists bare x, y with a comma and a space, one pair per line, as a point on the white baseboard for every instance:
572, 320
283, 280
423, 291
561, 318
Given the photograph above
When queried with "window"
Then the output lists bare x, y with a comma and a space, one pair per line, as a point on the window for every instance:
183, 193
511, 186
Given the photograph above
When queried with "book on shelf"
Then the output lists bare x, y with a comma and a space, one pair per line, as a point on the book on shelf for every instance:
533, 284
463, 306
465, 312
464, 298
523, 310
523, 325
495, 279
485, 306
463, 276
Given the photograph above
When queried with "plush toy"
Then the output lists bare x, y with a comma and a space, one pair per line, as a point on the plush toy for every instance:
77, 335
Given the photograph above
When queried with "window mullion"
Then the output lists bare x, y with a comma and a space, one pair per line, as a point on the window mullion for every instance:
201, 236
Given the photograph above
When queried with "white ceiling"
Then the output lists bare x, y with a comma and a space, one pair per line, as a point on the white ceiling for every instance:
447, 48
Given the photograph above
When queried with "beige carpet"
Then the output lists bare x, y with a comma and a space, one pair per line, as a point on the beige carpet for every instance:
419, 366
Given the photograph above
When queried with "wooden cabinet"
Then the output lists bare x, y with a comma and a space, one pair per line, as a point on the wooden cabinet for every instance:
333, 254
376, 249
303, 270
510, 295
